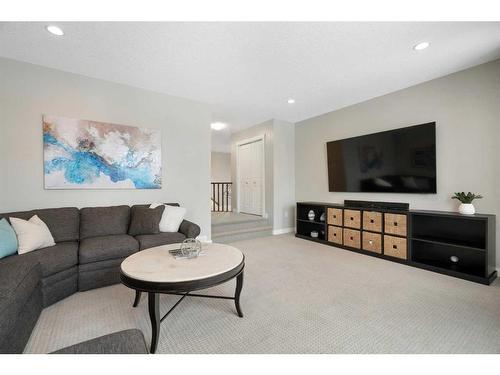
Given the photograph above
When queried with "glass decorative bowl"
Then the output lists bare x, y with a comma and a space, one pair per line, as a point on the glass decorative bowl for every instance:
190, 248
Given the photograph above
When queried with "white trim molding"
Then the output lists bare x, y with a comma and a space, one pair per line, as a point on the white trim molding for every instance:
283, 231
203, 239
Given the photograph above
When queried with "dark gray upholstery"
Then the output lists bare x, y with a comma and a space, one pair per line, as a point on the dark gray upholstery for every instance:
59, 286
189, 229
90, 245
111, 263
13, 338
104, 221
18, 277
56, 258
95, 249
152, 240
144, 220
130, 341
98, 277
63, 223
147, 205
20, 296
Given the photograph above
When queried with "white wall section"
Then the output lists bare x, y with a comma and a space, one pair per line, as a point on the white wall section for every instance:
29, 91
466, 108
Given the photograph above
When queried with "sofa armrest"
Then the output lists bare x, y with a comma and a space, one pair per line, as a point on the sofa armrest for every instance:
189, 229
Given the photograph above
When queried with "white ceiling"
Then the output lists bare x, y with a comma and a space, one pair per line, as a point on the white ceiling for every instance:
247, 71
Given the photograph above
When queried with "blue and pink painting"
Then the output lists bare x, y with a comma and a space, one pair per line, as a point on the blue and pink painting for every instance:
82, 154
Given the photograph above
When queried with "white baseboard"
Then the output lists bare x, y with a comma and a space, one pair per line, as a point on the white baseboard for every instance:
203, 239
282, 231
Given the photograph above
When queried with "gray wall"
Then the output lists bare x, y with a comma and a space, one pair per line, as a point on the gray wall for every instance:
466, 108
220, 166
28, 91
283, 175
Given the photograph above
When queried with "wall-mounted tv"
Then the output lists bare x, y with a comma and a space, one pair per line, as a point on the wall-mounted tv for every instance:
395, 161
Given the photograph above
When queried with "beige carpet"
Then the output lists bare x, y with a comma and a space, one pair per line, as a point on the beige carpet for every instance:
224, 218
299, 297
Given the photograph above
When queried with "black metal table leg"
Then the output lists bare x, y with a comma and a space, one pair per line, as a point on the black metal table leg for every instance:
239, 286
154, 315
137, 299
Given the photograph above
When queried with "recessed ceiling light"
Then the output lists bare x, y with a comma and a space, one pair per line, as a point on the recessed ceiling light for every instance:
420, 46
217, 125
55, 30
291, 101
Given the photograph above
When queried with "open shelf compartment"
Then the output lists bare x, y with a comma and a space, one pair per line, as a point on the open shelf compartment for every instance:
303, 212
304, 229
450, 258
451, 230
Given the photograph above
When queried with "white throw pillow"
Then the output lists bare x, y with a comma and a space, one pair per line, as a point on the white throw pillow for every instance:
171, 218
31, 234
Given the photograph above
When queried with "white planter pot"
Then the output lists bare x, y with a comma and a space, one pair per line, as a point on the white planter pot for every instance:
467, 209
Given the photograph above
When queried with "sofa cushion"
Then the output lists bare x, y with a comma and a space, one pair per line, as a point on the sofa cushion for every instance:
156, 204
18, 320
8, 239
95, 249
104, 221
151, 240
63, 223
32, 234
145, 220
130, 341
19, 276
54, 259
189, 229
172, 217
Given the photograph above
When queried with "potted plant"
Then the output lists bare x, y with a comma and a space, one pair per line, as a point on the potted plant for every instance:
466, 207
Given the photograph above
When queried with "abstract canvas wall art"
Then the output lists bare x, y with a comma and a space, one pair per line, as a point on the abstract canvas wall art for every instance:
82, 154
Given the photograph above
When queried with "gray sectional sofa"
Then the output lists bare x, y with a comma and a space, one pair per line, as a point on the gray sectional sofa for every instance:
130, 341
90, 245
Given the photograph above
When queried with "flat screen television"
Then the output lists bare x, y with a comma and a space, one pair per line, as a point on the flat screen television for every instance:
395, 161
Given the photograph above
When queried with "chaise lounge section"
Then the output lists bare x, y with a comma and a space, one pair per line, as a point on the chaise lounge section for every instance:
90, 245
130, 341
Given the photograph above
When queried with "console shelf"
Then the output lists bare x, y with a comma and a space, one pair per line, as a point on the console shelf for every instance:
312, 221
446, 242
441, 241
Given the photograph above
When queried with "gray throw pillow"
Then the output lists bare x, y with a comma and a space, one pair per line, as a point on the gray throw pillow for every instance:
145, 220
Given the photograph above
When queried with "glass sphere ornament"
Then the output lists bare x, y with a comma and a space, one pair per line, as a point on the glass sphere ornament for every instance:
311, 215
190, 248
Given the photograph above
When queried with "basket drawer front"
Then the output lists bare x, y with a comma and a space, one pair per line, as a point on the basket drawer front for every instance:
372, 221
395, 224
335, 234
395, 247
352, 219
352, 238
372, 242
335, 216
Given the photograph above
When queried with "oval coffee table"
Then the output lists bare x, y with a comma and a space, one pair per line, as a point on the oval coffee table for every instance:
156, 272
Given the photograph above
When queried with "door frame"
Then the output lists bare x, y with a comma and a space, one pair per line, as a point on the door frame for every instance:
262, 138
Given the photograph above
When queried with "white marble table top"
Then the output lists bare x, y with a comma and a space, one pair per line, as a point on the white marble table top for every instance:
157, 265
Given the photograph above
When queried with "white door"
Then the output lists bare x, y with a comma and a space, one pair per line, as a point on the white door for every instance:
250, 164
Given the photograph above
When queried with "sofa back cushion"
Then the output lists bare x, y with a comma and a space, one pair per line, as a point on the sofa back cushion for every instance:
149, 204
104, 221
144, 220
63, 223
8, 239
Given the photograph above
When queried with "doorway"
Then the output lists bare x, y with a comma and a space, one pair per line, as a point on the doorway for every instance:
250, 176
